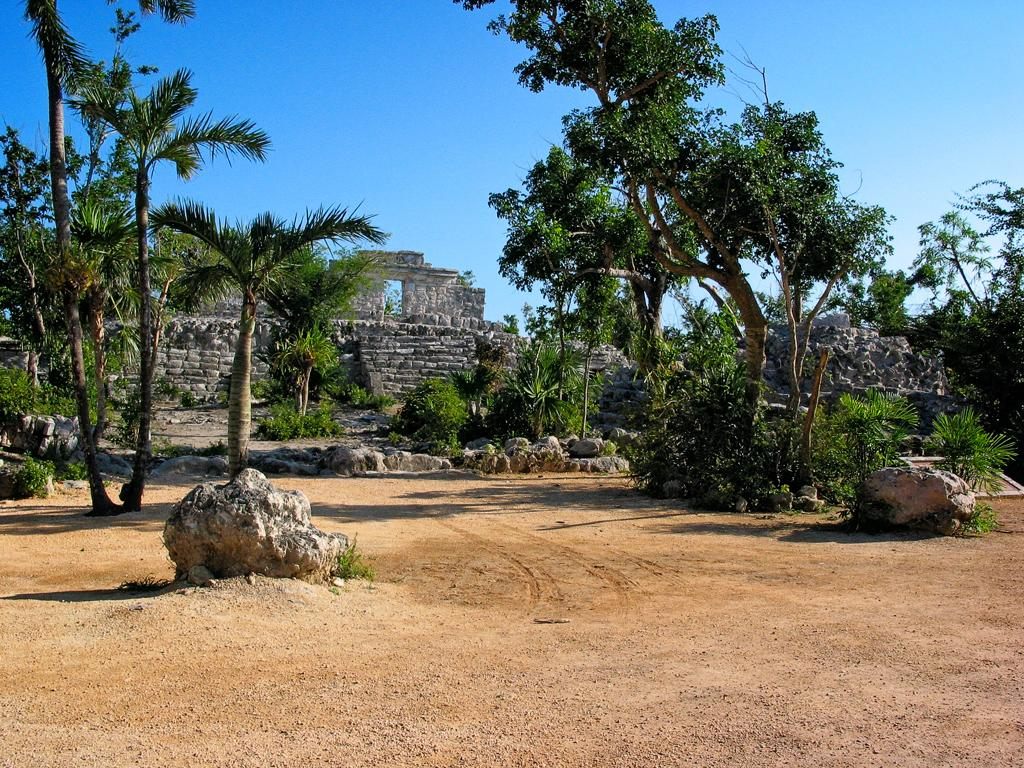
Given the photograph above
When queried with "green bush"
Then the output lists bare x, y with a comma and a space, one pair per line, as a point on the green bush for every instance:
188, 400
33, 479
704, 435
286, 423
75, 470
861, 435
352, 565
16, 394
969, 451
433, 413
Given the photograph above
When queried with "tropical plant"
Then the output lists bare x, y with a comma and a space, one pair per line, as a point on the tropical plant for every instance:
864, 435
286, 423
970, 452
33, 478
433, 413
154, 131
250, 258
65, 63
542, 395
302, 354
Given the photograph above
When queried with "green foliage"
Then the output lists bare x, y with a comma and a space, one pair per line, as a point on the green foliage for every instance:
286, 423
17, 397
75, 470
703, 434
982, 521
433, 413
353, 565
33, 479
863, 434
542, 395
127, 400
350, 393
969, 451
510, 324
188, 399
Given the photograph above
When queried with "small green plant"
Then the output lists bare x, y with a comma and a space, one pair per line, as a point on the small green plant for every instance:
16, 394
983, 520
166, 389
188, 399
352, 565
609, 448
33, 479
74, 470
286, 423
969, 451
433, 413
360, 397
394, 438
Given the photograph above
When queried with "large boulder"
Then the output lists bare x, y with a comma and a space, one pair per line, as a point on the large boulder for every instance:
354, 461
248, 526
191, 465
403, 461
927, 499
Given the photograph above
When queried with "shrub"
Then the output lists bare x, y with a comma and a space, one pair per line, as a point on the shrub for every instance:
352, 565
983, 520
188, 399
433, 413
701, 431
286, 423
704, 435
543, 395
969, 451
74, 470
862, 435
16, 394
33, 479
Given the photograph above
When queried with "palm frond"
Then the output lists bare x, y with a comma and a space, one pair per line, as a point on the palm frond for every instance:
61, 52
202, 135
172, 11
194, 219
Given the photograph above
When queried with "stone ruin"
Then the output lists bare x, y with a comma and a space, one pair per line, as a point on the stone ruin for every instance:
859, 360
417, 321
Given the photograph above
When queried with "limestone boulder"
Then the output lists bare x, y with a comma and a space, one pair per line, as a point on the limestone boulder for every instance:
587, 448
354, 461
248, 526
403, 461
191, 465
925, 499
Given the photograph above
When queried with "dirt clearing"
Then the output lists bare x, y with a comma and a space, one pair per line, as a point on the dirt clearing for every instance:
541, 622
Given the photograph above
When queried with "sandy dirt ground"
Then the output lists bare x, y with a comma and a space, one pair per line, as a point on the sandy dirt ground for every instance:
526, 622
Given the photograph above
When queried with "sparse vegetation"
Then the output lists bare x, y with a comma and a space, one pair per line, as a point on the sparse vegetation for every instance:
33, 479
286, 423
352, 564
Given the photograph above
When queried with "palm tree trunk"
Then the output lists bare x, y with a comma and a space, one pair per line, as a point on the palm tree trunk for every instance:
131, 493
240, 401
304, 389
101, 503
96, 301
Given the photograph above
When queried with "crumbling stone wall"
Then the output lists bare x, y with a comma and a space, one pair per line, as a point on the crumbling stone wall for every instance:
430, 295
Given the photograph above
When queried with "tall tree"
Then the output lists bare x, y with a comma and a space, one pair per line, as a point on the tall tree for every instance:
679, 167
154, 130
250, 259
24, 229
64, 60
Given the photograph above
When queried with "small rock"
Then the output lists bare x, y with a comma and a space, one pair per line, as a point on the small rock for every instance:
199, 576
338, 582
741, 505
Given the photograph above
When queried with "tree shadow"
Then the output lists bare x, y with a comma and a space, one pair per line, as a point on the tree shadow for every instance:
113, 595
34, 520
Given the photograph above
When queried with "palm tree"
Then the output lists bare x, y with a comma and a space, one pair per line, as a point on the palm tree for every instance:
102, 231
150, 129
65, 60
250, 258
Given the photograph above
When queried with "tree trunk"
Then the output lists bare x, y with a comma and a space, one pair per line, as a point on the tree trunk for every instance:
240, 400
97, 300
306, 376
586, 391
131, 493
101, 503
812, 407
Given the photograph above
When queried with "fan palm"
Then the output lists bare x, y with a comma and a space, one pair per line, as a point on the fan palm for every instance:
250, 258
154, 130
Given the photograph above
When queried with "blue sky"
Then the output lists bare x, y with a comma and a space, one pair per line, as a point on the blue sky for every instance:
410, 108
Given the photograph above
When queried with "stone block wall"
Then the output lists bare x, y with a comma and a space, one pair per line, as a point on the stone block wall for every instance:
429, 294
